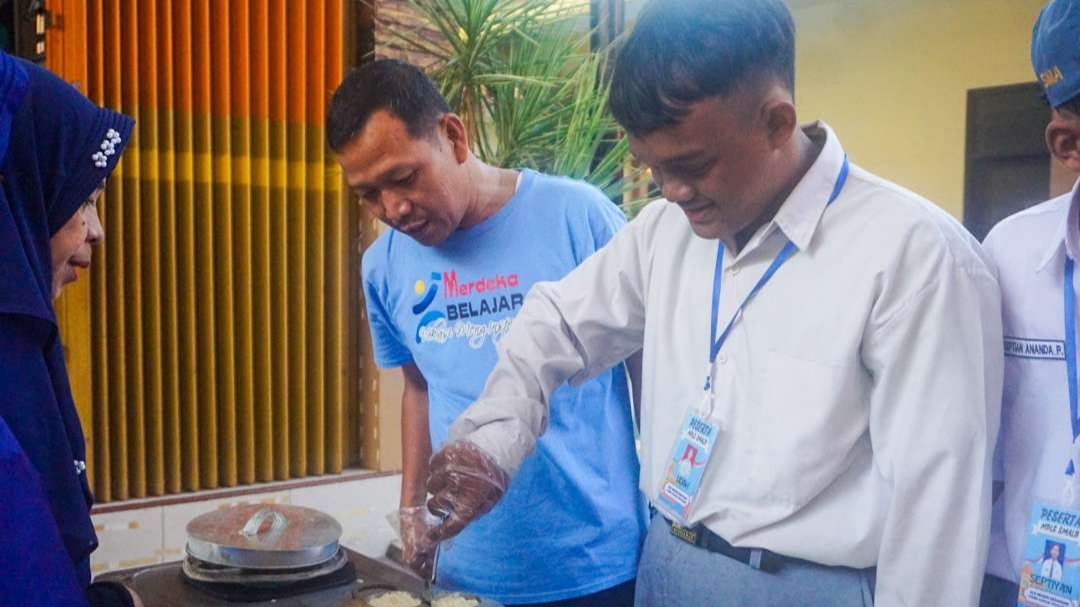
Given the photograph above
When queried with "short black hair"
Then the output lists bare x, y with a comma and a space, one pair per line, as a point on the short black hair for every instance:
1072, 105
683, 51
398, 87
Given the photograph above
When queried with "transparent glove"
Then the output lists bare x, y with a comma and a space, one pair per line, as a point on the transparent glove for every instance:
465, 484
412, 526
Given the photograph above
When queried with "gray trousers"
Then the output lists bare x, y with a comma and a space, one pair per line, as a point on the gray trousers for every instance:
675, 573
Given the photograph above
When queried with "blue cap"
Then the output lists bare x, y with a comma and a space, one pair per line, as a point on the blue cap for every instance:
1055, 50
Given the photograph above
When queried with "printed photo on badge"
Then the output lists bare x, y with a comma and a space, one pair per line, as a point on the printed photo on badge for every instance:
1048, 575
684, 471
1053, 560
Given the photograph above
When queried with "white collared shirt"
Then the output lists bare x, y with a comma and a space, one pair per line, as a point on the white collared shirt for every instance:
1051, 569
1028, 250
858, 395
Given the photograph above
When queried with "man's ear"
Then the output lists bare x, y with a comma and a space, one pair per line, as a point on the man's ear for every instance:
780, 120
456, 134
1063, 138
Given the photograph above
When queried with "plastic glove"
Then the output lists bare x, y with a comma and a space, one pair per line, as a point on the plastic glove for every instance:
465, 483
412, 526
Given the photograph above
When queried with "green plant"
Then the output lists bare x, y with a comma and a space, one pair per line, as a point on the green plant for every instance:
522, 77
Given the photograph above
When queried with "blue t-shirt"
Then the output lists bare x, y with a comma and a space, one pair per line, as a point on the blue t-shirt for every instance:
573, 519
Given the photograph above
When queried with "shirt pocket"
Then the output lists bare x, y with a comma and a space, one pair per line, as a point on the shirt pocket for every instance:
812, 415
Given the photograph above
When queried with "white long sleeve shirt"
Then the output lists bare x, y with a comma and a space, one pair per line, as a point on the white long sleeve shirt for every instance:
857, 396
1028, 251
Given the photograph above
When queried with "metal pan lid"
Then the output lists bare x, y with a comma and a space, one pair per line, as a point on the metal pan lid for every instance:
264, 536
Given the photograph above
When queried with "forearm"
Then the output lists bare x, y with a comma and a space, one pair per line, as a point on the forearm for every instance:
567, 331
415, 445
540, 353
946, 511
934, 427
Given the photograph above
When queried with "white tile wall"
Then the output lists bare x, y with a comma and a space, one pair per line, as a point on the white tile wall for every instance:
361, 508
135, 539
144, 536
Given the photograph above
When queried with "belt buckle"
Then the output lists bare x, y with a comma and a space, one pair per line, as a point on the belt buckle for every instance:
771, 562
690, 535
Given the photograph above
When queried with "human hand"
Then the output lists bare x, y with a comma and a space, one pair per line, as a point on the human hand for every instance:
418, 551
465, 483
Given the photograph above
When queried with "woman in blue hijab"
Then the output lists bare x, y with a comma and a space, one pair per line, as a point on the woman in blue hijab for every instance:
56, 151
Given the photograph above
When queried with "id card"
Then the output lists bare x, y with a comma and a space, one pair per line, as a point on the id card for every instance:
1049, 574
682, 477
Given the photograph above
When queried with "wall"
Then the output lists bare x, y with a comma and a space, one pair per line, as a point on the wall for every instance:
156, 534
891, 77
233, 360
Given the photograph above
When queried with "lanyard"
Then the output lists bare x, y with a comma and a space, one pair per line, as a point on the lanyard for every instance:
785, 253
1070, 351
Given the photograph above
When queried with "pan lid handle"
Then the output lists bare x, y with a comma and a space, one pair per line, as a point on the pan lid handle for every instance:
255, 523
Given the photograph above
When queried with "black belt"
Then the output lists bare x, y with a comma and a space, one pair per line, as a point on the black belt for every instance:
756, 558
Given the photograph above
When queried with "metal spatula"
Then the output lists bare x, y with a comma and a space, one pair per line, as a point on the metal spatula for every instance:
428, 595
430, 582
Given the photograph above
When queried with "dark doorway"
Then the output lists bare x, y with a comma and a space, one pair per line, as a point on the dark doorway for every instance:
1008, 166
22, 28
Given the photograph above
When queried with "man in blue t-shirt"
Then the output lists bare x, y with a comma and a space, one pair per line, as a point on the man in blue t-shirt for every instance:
467, 242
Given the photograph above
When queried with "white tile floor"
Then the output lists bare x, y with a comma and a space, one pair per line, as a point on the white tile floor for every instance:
145, 536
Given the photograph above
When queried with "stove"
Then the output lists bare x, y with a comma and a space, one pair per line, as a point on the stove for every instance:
249, 586
193, 582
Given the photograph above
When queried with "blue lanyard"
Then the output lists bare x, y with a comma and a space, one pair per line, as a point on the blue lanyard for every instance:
783, 256
1070, 351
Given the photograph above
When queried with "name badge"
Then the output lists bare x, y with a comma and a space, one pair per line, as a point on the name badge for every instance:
682, 477
1049, 573
1038, 349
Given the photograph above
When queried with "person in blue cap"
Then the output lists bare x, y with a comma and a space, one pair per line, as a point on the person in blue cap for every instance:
1033, 252
56, 151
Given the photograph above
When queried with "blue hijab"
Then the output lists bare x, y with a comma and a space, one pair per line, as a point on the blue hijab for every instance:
56, 148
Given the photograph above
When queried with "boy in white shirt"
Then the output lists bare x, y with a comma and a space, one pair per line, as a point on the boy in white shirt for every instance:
1031, 251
